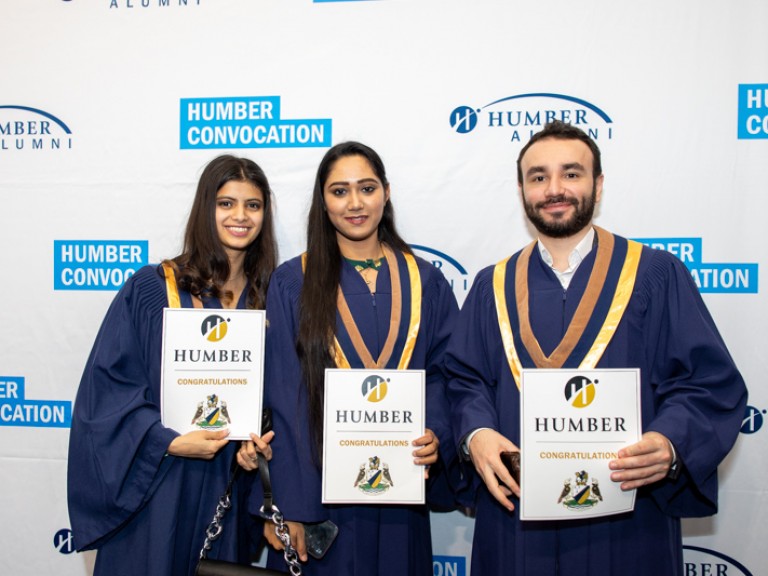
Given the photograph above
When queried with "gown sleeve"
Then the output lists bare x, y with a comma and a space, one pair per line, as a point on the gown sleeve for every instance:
699, 394
472, 360
117, 442
472, 363
438, 324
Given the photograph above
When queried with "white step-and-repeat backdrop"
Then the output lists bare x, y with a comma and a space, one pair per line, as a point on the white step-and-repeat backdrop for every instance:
109, 109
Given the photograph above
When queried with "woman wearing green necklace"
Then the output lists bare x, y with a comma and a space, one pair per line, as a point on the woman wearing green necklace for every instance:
358, 298
368, 268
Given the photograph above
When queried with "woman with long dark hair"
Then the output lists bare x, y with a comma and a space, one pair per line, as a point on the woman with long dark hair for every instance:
141, 493
355, 262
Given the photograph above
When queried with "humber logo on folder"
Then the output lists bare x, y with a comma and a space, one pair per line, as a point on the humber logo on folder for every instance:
374, 388
580, 391
214, 328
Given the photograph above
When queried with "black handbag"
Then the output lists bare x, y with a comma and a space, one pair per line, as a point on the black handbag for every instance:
207, 567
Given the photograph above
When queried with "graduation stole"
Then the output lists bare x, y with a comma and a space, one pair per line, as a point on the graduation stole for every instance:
396, 320
174, 300
597, 316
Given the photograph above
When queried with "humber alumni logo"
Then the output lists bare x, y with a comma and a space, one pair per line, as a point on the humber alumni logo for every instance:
519, 116
30, 130
454, 272
131, 4
701, 561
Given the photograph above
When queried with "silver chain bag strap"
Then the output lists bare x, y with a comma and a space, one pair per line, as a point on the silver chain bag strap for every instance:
268, 511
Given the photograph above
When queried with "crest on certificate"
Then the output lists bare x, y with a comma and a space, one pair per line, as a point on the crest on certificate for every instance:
374, 477
211, 414
580, 493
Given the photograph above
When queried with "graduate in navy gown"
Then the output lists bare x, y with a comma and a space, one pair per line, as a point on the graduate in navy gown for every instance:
561, 295
355, 253
138, 492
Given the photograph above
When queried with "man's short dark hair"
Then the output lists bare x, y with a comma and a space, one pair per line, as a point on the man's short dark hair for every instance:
562, 131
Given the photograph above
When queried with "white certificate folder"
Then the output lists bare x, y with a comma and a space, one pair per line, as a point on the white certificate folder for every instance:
213, 370
573, 423
371, 419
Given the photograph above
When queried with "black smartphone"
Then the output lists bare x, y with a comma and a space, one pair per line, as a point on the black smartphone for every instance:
266, 420
512, 461
319, 537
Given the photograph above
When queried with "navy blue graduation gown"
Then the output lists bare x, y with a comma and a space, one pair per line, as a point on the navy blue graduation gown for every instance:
145, 512
376, 539
691, 392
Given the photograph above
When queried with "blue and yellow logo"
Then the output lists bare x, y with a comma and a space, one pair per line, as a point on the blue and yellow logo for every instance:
374, 388
214, 328
580, 391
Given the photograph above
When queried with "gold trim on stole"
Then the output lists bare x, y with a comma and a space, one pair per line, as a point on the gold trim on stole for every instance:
578, 324
499, 277
394, 319
584, 310
618, 305
414, 323
174, 301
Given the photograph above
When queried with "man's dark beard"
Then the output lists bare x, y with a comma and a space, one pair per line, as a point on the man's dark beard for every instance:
562, 228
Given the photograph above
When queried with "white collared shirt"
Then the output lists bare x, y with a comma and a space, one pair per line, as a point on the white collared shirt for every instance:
576, 257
